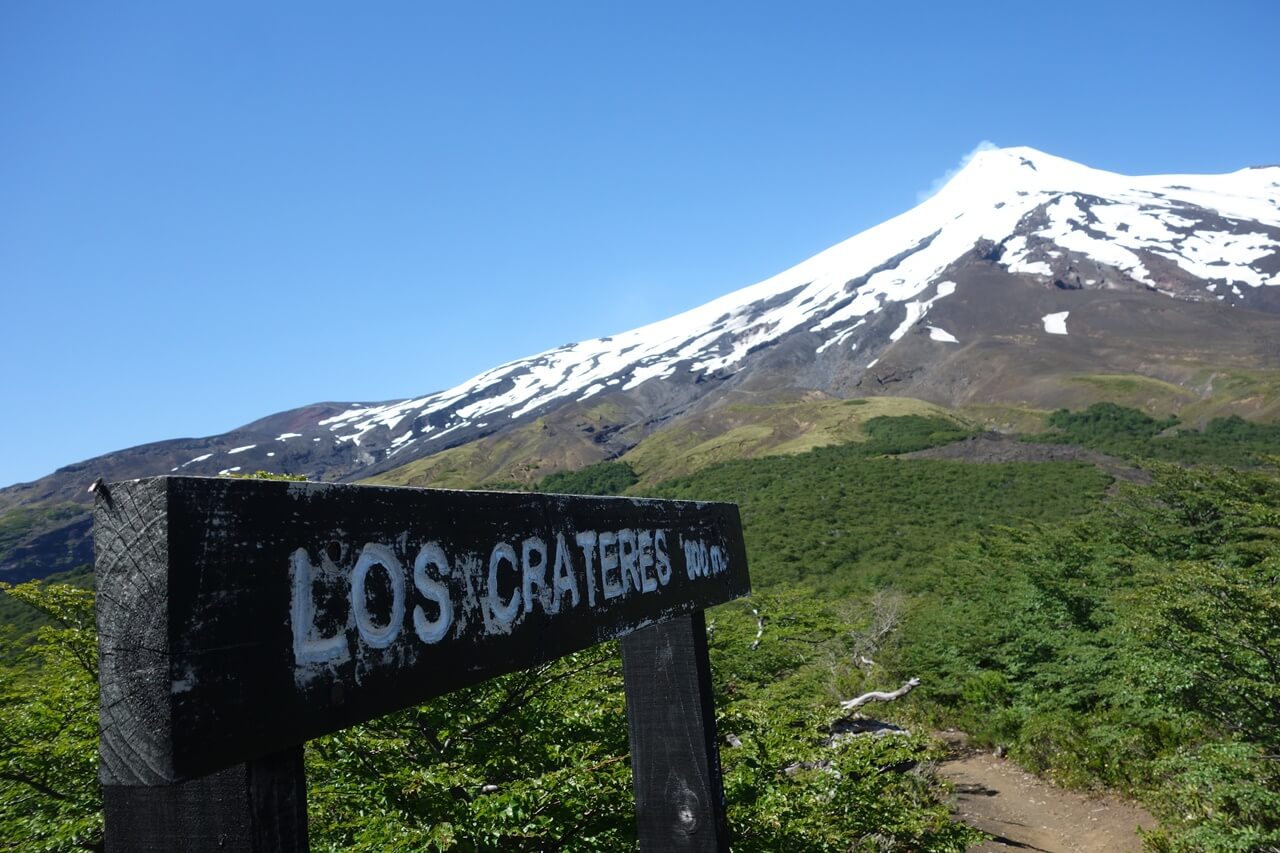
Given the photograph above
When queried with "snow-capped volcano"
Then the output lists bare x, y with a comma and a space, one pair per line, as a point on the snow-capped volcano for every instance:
1026, 280
1205, 237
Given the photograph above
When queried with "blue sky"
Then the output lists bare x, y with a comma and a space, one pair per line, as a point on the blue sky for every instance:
213, 212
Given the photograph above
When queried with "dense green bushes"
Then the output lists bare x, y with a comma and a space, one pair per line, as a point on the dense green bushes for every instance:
525, 760
19, 620
604, 478
1130, 433
517, 761
905, 433
1137, 647
845, 522
1133, 643
49, 793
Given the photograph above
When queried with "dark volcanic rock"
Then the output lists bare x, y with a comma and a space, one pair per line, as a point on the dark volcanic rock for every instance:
1173, 282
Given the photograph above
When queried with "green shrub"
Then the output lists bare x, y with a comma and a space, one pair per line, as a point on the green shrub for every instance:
1135, 647
604, 478
907, 433
1129, 433
49, 793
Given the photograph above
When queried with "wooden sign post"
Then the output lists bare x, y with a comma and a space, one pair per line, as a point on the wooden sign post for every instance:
239, 618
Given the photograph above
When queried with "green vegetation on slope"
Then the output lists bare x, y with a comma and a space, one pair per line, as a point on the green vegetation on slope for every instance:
18, 525
755, 430
43, 538
1129, 643
604, 478
846, 522
1136, 647
523, 761
1200, 394
1129, 433
1132, 389
882, 435
21, 620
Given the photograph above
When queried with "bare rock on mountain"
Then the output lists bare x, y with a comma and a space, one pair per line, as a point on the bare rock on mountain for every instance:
1025, 276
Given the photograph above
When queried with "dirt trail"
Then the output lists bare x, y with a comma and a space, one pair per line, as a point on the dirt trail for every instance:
1027, 813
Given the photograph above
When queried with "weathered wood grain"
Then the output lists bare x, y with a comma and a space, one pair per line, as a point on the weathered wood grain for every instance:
675, 759
256, 807
131, 565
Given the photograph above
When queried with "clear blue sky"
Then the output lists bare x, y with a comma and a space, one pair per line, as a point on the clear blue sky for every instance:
212, 212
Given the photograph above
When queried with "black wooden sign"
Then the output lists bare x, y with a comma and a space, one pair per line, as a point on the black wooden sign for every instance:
238, 618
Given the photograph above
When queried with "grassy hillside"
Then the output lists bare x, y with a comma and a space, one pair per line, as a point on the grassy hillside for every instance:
564, 440
569, 441
41, 539
1252, 394
802, 421
18, 524
753, 431
1005, 418
1200, 395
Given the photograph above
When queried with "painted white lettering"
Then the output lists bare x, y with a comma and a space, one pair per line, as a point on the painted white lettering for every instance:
534, 573
644, 548
695, 558
372, 555
564, 582
587, 542
307, 649
433, 556
629, 559
609, 560
719, 562
470, 568
504, 614
663, 559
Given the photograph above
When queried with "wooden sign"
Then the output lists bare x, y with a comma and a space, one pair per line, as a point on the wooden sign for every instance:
241, 617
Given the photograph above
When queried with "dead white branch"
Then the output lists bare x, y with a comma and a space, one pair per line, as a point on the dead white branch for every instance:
755, 644
860, 726
880, 695
886, 615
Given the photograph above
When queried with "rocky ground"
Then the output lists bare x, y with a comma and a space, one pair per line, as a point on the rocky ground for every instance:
1024, 812
994, 447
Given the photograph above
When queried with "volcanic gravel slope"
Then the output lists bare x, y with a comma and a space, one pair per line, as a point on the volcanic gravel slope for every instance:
1025, 276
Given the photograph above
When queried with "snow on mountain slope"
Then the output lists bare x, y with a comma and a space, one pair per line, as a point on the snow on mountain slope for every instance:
1027, 280
1191, 236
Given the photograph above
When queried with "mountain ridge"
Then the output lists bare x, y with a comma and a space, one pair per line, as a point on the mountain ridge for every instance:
1021, 277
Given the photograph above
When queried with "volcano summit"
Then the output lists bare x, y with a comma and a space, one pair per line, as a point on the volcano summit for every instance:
1027, 281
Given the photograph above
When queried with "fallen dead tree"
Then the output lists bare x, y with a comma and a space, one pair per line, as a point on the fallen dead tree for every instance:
880, 696
855, 725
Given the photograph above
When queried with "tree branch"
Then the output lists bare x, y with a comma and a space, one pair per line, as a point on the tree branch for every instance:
23, 779
880, 696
